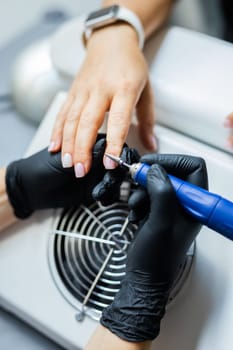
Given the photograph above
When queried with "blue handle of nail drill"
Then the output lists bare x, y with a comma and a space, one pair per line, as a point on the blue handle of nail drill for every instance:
210, 209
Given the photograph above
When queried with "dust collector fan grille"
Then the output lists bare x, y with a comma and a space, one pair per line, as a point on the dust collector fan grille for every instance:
79, 260
89, 264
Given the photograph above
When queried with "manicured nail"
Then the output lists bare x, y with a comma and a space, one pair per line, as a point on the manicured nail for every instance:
51, 146
227, 123
109, 163
79, 170
154, 144
229, 144
67, 160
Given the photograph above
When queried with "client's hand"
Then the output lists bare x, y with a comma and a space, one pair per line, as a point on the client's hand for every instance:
41, 182
114, 78
159, 248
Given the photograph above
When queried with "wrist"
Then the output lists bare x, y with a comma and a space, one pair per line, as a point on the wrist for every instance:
2, 180
7, 216
112, 15
120, 31
121, 317
103, 339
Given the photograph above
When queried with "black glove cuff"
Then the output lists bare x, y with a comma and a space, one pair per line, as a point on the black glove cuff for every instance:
136, 311
15, 195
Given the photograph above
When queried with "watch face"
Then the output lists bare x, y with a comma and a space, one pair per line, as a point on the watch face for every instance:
103, 14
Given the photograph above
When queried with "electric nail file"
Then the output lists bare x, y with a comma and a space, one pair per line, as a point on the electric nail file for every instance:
210, 209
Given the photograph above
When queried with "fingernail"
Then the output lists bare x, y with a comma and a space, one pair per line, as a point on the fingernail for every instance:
154, 142
227, 123
67, 160
229, 144
51, 146
109, 163
79, 170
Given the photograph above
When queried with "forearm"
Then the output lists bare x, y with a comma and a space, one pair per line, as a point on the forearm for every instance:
103, 339
7, 216
152, 13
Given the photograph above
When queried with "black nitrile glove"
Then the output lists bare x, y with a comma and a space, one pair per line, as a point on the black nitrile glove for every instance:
107, 191
40, 181
187, 168
158, 250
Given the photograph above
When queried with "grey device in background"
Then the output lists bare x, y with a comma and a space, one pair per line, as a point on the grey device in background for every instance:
48, 24
14, 145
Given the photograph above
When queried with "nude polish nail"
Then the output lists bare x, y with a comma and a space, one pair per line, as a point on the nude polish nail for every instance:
154, 144
229, 144
51, 146
67, 160
227, 123
79, 170
109, 163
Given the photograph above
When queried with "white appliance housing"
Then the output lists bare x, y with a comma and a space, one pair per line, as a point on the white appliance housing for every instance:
201, 316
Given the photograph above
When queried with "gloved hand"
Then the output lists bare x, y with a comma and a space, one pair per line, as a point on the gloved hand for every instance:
184, 167
107, 191
40, 181
159, 248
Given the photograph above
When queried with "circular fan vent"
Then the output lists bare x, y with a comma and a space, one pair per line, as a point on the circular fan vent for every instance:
87, 254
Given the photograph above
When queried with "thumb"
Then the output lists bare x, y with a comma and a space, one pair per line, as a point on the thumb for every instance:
161, 193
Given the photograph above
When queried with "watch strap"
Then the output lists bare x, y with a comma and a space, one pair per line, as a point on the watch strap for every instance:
120, 14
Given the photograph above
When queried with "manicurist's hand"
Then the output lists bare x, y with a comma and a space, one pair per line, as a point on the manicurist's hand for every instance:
160, 246
114, 78
40, 181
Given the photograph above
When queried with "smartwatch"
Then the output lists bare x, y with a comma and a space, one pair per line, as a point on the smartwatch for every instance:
109, 15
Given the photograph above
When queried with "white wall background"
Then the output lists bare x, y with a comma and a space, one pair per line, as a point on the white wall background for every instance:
17, 15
